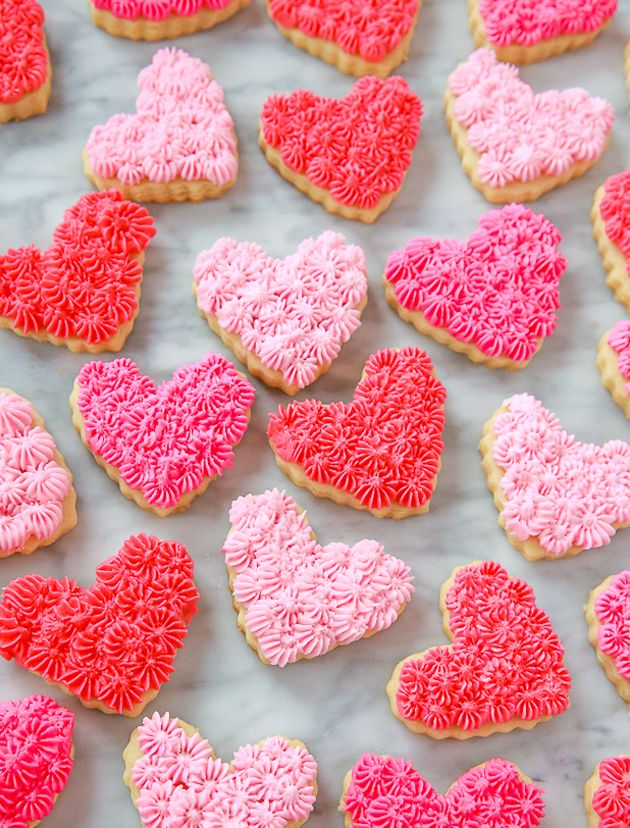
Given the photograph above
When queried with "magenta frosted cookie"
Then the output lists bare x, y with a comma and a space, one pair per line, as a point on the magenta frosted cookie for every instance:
25, 70
611, 228
608, 617
613, 361
607, 794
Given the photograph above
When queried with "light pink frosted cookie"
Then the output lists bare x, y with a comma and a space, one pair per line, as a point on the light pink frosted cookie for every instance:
296, 599
286, 319
608, 617
613, 361
607, 794
180, 144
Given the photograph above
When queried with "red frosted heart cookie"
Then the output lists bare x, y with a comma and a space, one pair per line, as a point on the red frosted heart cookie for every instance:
84, 290
380, 452
504, 668
608, 617
351, 155
607, 794
611, 228
494, 298
111, 645
25, 70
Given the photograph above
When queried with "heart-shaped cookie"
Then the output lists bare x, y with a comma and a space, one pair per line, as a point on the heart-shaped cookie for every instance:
611, 229
37, 499
351, 155
176, 779
84, 290
494, 297
357, 37
36, 758
608, 617
180, 144
296, 599
517, 144
286, 319
522, 31
380, 452
111, 645
504, 669
607, 794
555, 495
384, 791
613, 361
25, 70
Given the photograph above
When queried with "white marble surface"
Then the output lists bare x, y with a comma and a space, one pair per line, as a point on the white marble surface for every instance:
336, 703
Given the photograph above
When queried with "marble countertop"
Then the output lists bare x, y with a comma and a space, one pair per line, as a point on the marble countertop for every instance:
337, 703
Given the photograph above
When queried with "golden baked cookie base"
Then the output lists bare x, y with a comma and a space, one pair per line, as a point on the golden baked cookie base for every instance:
592, 784
34, 103
615, 264
612, 379
622, 685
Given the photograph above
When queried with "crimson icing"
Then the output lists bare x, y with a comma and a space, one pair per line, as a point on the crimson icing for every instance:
23, 54
614, 209
612, 610
302, 599
114, 642
358, 148
498, 290
85, 284
556, 489
505, 662
384, 447
611, 799
370, 30
157, 10
35, 758
388, 792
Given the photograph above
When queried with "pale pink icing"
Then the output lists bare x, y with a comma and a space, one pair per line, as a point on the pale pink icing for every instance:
562, 492
157, 9
611, 800
181, 129
528, 22
498, 291
23, 53
293, 313
614, 209
33, 485
619, 340
35, 758
388, 792
303, 599
612, 610
164, 440
520, 135
182, 784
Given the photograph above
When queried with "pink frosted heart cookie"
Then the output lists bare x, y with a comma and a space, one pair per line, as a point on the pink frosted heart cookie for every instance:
286, 319
351, 155
517, 144
36, 758
607, 794
523, 31
357, 37
504, 668
180, 144
25, 70
556, 496
176, 779
387, 792
494, 297
611, 228
296, 599
162, 444
608, 617
613, 361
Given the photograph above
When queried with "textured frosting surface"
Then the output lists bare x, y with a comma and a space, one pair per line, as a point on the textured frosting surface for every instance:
612, 610
614, 209
560, 491
157, 9
33, 485
35, 758
619, 341
498, 290
384, 447
505, 662
370, 30
358, 148
164, 440
181, 128
23, 55
518, 134
387, 792
111, 643
183, 784
611, 800
293, 313
85, 284
303, 599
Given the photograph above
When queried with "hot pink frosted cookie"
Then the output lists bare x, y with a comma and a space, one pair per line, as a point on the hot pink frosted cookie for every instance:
504, 668
608, 617
37, 499
162, 444
555, 495
286, 319
517, 144
387, 792
180, 144
25, 70
607, 794
379, 452
111, 645
84, 290
494, 297
36, 758
611, 229
177, 781
351, 155
613, 361
297, 599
